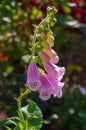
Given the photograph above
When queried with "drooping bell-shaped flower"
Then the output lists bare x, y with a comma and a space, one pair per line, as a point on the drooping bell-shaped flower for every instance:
44, 56
54, 60
50, 40
45, 89
43, 36
59, 93
46, 45
50, 52
56, 86
54, 70
33, 80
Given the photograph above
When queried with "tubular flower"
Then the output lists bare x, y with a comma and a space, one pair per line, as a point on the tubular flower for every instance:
54, 60
56, 86
33, 81
43, 36
44, 56
45, 89
54, 70
50, 52
50, 40
46, 45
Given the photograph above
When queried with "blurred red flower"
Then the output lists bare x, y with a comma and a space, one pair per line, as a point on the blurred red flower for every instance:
3, 57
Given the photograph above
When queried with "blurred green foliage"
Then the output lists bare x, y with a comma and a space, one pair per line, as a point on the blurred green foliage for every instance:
16, 25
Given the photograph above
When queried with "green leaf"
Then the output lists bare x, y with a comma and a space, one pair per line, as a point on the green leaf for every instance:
33, 116
8, 128
68, 21
65, 3
8, 121
19, 126
62, 19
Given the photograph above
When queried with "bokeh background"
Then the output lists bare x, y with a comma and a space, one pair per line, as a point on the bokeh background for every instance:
16, 25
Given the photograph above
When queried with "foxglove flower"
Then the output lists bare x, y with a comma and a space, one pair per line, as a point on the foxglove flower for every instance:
45, 89
50, 40
46, 45
50, 52
54, 60
43, 36
56, 86
44, 56
33, 81
55, 71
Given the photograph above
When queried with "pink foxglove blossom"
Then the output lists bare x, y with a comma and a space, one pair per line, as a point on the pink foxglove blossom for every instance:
33, 81
46, 45
50, 52
54, 60
45, 89
44, 56
56, 86
54, 70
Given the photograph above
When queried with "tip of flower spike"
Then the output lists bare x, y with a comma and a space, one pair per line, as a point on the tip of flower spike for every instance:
51, 10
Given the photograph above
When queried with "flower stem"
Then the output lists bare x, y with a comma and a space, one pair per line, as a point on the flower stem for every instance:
35, 34
19, 100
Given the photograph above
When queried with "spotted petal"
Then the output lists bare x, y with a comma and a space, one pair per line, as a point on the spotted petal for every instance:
33, 81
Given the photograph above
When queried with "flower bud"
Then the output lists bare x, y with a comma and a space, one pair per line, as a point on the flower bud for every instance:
50, 52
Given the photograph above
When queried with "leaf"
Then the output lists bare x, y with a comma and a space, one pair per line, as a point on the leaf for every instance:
19, 126
8, 121
68, 21
8, 128
26, 58
33, 116
62, 19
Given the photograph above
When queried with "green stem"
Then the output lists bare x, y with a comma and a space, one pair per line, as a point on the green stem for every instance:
33, 43
19, 100
35, 33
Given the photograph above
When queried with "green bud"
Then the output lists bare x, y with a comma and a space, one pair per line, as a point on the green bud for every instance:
54, 10
51, 11
31, 37
53, 21
38, 36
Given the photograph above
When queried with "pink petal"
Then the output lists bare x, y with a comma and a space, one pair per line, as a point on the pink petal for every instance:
33, 81
54, 60
50, 52
59, 94
44, 56
54, 70
45, 88
56, 86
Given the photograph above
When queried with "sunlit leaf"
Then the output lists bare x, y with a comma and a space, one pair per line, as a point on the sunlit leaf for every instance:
33, 116
8, 121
